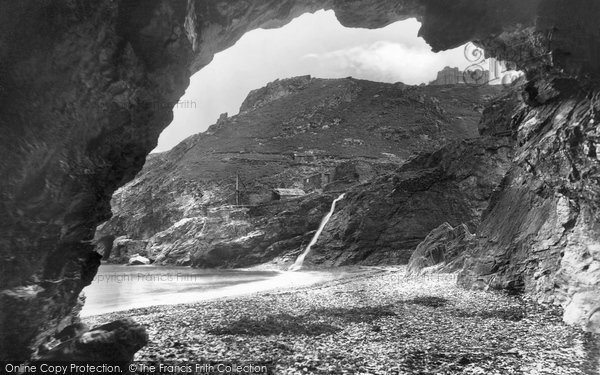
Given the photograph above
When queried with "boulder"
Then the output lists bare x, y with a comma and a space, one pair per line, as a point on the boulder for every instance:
104, 245
443, 250
138, 260
114, 342
124, 248
584, 307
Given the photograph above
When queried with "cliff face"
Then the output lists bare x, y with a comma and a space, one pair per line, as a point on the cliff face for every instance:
314, 137
540, 234
86, 88
383, 221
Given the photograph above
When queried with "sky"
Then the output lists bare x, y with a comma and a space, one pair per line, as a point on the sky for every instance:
314, 44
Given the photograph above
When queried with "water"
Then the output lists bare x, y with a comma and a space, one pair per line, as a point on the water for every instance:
300, 261
120, 287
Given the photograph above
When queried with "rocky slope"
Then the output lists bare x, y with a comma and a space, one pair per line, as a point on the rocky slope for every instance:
320, 136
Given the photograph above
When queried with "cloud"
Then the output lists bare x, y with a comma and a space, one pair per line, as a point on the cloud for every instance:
380, 61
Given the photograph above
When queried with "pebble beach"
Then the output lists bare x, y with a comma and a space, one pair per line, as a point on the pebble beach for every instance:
370, 321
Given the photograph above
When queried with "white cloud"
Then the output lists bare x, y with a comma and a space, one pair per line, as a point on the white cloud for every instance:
380, 61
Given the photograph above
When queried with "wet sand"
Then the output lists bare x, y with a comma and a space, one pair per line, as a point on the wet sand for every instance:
121, 287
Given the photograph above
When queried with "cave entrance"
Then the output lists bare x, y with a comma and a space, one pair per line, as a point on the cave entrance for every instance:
79, 85
107, 153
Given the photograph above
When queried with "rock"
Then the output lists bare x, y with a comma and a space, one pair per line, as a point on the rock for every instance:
125, 248
138, 260
443, 250
273, 91
114, 342
583, 307
270, 231
104, 244
540, 234
593, 320
222, 119
502, 116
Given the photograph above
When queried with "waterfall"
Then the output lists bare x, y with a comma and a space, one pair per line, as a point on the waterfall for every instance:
298, 263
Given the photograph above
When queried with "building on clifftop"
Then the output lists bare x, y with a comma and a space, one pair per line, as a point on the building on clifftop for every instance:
454, 76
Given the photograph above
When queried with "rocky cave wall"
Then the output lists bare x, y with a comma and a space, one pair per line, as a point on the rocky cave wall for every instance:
540, 234
86, 88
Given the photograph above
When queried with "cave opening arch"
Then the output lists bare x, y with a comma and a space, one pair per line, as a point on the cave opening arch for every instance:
78, 83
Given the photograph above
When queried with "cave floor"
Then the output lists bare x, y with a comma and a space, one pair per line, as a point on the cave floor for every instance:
373, 323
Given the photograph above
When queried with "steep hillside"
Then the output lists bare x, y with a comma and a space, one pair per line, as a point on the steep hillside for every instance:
317, 136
